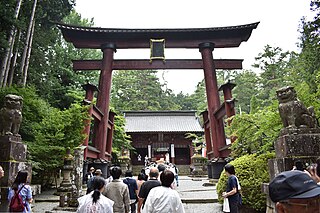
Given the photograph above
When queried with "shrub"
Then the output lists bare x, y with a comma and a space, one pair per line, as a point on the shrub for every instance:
252, 171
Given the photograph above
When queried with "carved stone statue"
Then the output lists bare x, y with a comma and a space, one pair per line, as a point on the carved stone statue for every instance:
293, 113
10, 115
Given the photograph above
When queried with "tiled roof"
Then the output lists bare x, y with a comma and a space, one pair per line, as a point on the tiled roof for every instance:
157, 30
162, 121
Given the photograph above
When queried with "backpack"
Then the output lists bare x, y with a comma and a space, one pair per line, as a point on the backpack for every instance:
16, 203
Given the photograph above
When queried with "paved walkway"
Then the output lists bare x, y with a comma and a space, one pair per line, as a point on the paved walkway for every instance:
196, 198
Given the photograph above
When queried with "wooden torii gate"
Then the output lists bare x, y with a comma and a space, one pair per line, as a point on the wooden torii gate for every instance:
203, 39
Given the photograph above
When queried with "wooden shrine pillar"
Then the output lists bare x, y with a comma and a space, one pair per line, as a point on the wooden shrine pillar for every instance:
103, 99
216, 125
206, 127
110, 134
228, 100
90, 89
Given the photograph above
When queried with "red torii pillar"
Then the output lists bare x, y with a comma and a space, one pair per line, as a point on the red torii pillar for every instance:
228, 100
103, 99
90, 89
216, 125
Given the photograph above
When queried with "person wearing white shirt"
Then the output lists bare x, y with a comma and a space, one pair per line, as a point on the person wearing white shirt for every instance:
163, 198
95, 201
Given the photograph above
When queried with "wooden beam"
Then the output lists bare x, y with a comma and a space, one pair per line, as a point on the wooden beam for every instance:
143, 64
219, 113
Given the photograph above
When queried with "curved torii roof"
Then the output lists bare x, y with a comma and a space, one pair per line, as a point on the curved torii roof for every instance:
90, 37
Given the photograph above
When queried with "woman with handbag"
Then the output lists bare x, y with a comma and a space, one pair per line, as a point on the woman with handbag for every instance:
232, 191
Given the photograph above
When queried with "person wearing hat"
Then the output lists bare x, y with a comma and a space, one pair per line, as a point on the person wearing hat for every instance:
295, 191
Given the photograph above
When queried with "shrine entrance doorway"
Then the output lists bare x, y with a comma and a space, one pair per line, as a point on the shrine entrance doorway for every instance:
205, 40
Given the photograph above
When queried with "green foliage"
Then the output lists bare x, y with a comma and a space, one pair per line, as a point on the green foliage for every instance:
140, 90
55, 78
120, 139
246, 89
310, 54
47, 131
34, 109
252, 171
57, 131
255, 133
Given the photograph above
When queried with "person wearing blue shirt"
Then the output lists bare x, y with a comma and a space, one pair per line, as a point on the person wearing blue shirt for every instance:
232, 192
26, 193
133, 189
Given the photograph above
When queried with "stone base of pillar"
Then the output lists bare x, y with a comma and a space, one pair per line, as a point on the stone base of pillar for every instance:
217, 167
13, 159
292, 145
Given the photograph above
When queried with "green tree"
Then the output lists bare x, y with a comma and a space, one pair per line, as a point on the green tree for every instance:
55, 78
140, 90
246, 88
255, 133
310, 54
272, 62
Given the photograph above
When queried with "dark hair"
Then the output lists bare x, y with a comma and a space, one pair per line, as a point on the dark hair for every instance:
143, 170
161, 167
115, 172
166, 178
299, 165
21, 177
98, 183
142, 176
230, 169
128, 173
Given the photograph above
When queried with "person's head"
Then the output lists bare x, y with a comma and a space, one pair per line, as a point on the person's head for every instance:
154, 172
299, 165
91, 170
166, 178
295, 191
21, 177
141, 176
115, 172
229, 169
98, 186
161, 167
128, 173
1, 172
98, 172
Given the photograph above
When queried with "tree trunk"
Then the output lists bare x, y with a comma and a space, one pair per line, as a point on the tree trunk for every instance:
24, 55
7, 67
14, 61
25, 70
7, 54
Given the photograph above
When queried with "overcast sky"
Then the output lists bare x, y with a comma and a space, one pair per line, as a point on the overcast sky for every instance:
279, 21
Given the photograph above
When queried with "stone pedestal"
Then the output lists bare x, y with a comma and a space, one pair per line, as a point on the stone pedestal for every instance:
198, 162
67, 188
292, 145
13, 159
124, 163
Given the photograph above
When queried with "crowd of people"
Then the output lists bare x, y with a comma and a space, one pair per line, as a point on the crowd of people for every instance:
152, 191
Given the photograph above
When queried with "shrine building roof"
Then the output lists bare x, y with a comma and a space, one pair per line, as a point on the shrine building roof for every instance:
123, 38
162, 121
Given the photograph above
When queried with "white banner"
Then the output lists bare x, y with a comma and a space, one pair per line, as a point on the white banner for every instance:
172, 150
149, 151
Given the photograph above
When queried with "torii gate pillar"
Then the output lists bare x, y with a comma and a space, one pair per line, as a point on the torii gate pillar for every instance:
103, 99
216, 125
